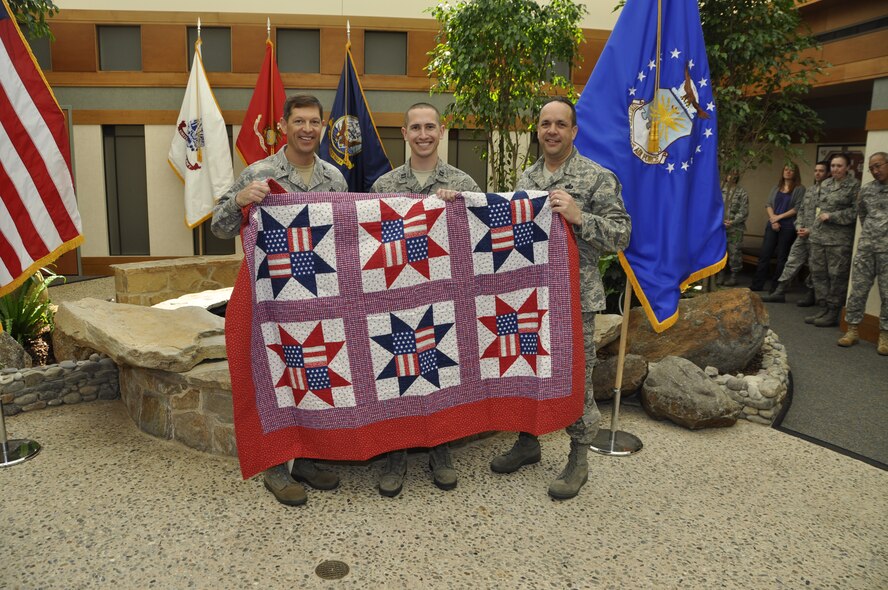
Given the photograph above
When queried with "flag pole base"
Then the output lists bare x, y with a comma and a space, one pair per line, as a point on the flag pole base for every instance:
17, 450
615, 444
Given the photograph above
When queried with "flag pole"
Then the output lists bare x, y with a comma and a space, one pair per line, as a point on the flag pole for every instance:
200, 228
269, 148
615, 442
14, 451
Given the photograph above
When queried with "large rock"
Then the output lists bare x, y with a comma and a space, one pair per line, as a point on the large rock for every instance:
12, 354
724, 329
138, 336
678, 390
604, 376
607, 328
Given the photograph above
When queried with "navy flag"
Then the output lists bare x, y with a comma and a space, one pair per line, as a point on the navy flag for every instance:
351, 142
647, 113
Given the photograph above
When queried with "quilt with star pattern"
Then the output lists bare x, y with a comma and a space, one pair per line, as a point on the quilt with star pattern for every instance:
361, 324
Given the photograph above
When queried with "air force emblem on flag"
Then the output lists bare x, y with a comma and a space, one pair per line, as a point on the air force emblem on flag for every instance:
657, 124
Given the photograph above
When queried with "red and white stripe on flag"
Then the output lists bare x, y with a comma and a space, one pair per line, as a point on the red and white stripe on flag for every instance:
425, 339
522, 211
299, 239
508, 345
407, 364
297, 378
39, 220
502, 238
315, 356
279, 266
529, 321
395, 253
415, 226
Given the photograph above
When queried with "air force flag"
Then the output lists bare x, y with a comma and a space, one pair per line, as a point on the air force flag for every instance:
647, 113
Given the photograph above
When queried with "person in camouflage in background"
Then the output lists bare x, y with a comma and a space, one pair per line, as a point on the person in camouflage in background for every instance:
799, 254
587, 196
832, 240
423, 173
297, 168
736, 212
871, 259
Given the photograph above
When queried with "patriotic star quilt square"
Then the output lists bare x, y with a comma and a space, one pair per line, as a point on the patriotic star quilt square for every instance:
309, 364
295, 254
509, 231
513, 334
403, 242
414, 351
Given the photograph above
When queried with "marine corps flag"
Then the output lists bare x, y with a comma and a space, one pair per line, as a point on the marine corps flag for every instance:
647, 113
39, 220
259, 136
351, 142
200, 154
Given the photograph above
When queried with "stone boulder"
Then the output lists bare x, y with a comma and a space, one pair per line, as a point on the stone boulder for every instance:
12, 354
678, 390
607, 329
724, 329
604, 376
138, 336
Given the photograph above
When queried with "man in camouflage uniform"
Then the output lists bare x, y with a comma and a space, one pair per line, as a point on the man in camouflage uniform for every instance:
587, 196
871, 259
424, 173
800, 251
832, 240
297, 168
736, 212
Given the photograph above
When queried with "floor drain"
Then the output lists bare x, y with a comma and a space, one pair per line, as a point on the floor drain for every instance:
332, 569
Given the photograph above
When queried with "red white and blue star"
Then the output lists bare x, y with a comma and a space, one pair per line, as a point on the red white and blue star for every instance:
514, 337
509, 231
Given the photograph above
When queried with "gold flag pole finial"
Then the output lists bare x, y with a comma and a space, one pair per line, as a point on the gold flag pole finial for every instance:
268, 28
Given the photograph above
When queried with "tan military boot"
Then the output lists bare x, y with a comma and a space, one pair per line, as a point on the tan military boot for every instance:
820, 313
306, 471
850, 338
286, 489
829, 319
525, 451
574, 475
883, 343
443, 473
391, 479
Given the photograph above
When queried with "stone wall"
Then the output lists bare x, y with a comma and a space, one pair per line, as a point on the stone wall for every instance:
69, 382
193, 408
147, 283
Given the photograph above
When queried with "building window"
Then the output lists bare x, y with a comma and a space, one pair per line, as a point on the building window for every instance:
126, 189
120, 49
561, 68
464, 152
299, 50
385, 53
393, 143
215, 48
42, 53
211, 244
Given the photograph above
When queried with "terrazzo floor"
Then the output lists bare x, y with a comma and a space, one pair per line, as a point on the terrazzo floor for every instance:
107, 506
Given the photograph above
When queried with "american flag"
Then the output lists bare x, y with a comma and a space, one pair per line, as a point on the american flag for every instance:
39, 220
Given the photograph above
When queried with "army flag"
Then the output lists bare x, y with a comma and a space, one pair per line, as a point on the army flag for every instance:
351, 142
648, 114
259, 136
39, 220
200, 154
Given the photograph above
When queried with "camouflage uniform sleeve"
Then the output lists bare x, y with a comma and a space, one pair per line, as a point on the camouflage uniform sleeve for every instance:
861, 205
848, 215
800, 212
226, 212
607, 226
468, 184
742, 200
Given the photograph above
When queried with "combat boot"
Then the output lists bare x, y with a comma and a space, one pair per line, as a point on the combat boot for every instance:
720, 277
285, 489
850, 338
820, 313
574, 475
883, 343
808, 300
731, 281
829, 319
443, 473
391, 480
525, 451
778, 295
306, 471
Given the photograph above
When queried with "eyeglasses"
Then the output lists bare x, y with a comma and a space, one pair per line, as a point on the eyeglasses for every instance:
875, 167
